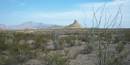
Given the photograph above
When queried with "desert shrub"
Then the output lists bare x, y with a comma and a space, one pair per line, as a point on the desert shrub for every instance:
127, 36
73, 37
117, 39
72, 43
3, 45
75, 55
39, 40
18, 36
9, 36
84, 39
43, 47
117, 59
21, 52
27, 36
58, 44
79, 43
4, 60
87, 49
47, 50
66, 52
55, 59
67, 39
33, 54
124, 42
119, 48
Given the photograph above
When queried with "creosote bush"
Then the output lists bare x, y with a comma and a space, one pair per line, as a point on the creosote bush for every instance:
40, 40
58, 44
4, 60
87, 49
124, 42
117, 59
55, 58
21, 52
75, 55
119, 47
3, 45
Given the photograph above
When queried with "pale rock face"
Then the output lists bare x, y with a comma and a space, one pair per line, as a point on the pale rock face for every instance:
75, 25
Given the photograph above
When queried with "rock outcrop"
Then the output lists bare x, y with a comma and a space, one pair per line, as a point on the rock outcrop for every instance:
75, 25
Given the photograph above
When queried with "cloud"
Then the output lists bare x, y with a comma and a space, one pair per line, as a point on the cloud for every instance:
22, 4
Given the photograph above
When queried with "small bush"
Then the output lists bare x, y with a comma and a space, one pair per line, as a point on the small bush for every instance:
21, 52
39, 40
6, 61
79, 43
3, 45
33, 55
55, 59
43, 47
119, 48
88, 49
84, 39
58, 45
75, 55
117, 59
124, 42
72, 43
66, 52
117, 40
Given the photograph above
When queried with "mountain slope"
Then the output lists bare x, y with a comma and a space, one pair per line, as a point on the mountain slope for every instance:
3, 26
32, 25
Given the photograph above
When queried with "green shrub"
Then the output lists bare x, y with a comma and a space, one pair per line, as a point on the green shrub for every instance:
119, 48
21, 52
55, 59
117, 59
66, 52
88, 49
3, 45
117, 40
43, 47
39, 40
127, 36
79, 43
9, 36
33, 54
72, 43
4, 60
58, 44
75, 55
124, 42
84, 39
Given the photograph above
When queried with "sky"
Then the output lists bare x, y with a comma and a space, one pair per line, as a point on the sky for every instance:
62, 12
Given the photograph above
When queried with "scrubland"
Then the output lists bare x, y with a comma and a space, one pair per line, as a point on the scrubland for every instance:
65, 47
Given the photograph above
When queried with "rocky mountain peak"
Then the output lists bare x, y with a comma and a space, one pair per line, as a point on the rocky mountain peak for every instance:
75, 25
75, 21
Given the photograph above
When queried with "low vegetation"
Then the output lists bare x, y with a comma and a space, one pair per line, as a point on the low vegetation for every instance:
51, 49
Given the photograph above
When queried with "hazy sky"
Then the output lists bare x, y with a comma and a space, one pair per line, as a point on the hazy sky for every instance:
60, 12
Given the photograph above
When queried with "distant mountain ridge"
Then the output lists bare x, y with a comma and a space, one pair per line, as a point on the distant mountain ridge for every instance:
31, 25
2, 26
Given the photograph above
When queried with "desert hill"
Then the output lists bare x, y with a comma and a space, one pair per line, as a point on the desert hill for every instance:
75, 25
